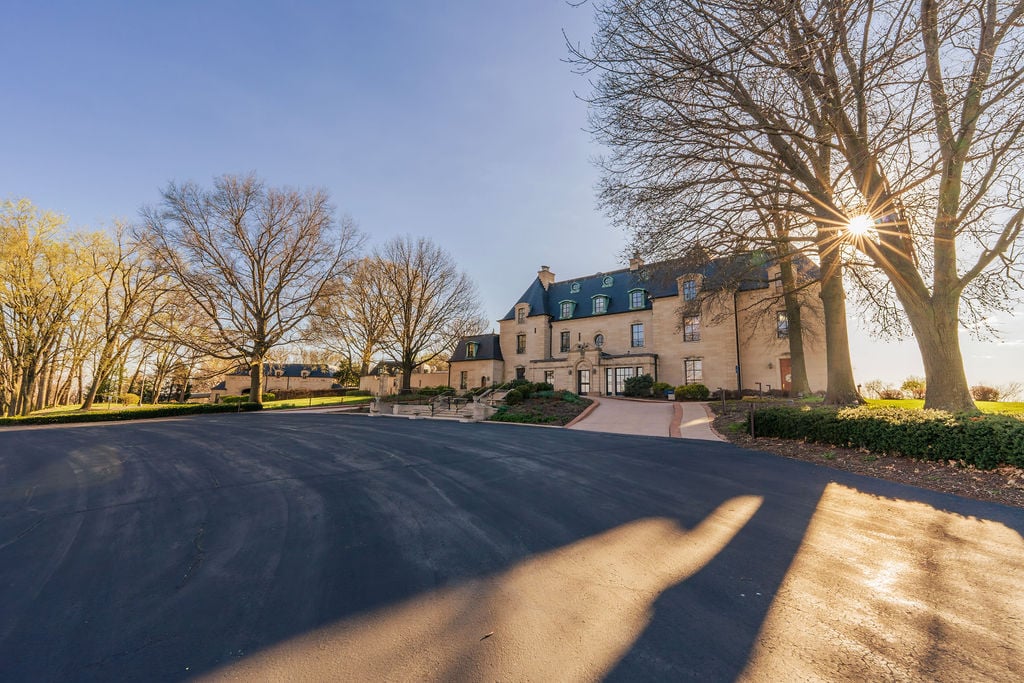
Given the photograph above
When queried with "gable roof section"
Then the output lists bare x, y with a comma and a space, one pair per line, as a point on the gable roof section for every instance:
749, 270
536, 296
489, 349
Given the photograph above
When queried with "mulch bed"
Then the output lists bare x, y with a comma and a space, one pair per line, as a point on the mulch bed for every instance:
1003, 485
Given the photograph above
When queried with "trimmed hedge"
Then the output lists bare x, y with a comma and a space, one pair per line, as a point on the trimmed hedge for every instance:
985, 441
245, 399
141, 414
692, 392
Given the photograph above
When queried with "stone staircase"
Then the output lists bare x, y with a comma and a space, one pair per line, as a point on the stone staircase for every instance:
443, 407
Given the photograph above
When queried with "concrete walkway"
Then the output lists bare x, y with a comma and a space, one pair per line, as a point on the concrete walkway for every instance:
649, 418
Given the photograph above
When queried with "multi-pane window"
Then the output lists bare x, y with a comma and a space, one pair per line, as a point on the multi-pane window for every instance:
463, 379
549, 377
521, 316
520, 372
564, 346
600, 304
691, 328
693, 371
636, 334
566, 309
471, 349
520, 343
781, 324
689, 290
636, 298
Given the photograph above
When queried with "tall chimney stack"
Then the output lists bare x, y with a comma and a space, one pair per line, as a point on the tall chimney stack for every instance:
635, 263
545, 276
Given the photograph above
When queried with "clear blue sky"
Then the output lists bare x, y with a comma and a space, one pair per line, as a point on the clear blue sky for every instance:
451, 119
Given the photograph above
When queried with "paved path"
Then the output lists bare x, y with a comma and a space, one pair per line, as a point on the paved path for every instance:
291, 545
685, 419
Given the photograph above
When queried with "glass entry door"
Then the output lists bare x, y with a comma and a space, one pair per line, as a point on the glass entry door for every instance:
583, 382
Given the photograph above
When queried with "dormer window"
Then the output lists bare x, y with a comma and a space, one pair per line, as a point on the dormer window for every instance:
600, 304
608, 281
636, 298
574, 288
566, 309
471, 349
521, 315
689, 290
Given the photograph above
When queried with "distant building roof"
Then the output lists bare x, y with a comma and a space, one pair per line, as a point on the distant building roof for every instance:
747, 271
488, 348
394, 367
220, 387
290, 370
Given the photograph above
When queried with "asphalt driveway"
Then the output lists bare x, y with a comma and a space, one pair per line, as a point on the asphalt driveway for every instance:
289, 545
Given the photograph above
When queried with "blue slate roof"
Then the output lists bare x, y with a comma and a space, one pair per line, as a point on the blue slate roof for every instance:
489, 348
750, 271
289, 370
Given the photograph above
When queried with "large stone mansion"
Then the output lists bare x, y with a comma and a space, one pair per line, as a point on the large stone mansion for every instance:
722, 324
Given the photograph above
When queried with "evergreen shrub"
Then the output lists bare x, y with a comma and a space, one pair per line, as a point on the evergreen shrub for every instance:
639, 385
985, 441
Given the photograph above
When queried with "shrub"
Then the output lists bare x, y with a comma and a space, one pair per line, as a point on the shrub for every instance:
874, 388
639, 385
914, 386
890, 394
140, 414
358, 392
543, 386
441, 390
129, 399
232, 400
983, 393
985, 441
692, 392
513, 397
659, 388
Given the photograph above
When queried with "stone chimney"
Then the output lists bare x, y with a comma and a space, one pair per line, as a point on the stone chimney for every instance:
635, 263
545, 276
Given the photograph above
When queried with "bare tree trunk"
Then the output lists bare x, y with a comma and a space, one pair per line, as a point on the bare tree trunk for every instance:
799, 383
937, 330
841, 388
256, 381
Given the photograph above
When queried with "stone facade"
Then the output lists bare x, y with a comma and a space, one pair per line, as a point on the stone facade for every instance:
386, 378
589, 334
276, 377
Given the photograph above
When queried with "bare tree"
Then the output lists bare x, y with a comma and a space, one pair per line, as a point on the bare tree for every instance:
129, 294
43, 284
429, 304
252, 261
908, 113
352, 321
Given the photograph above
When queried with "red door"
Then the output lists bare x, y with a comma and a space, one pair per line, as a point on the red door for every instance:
786, 370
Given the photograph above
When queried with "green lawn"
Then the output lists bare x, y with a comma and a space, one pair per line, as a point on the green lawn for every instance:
170, 407
994, 407
102, 408
315, 401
